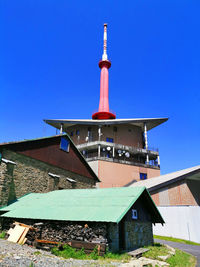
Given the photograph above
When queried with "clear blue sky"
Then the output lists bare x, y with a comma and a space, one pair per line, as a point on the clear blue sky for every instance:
49, 54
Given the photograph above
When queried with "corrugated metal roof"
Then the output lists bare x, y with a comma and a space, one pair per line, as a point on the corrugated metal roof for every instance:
161, 180
102, 205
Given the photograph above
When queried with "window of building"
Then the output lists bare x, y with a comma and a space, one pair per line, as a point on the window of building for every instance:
143, 176
108, 139
64, 144
134, 214
115, 129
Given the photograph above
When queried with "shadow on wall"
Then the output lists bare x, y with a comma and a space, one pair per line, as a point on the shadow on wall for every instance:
9, 194
194, 186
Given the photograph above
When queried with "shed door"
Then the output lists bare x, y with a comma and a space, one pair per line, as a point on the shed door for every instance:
122, 235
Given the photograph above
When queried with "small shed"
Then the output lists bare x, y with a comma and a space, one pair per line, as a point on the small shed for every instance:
120, 217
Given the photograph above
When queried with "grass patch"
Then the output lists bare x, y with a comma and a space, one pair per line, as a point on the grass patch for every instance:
155, 251
183, 241
180, 259
37, 253
69, 252
2, 234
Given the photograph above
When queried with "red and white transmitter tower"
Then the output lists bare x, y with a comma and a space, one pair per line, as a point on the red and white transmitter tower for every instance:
104, 65
116, 149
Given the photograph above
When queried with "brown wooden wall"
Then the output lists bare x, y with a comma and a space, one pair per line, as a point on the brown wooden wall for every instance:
48, 150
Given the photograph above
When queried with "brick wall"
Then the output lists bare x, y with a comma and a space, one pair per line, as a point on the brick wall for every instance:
179, 193
30, 175
118, 174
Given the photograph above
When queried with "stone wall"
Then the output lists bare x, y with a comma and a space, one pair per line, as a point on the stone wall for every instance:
30, 175
138, 234
113, 237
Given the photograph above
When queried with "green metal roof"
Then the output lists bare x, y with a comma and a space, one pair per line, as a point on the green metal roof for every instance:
102, 205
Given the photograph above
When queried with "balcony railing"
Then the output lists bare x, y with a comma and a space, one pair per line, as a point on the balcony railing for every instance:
103, 144
118, 153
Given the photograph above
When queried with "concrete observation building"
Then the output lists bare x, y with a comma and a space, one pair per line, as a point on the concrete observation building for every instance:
116, 149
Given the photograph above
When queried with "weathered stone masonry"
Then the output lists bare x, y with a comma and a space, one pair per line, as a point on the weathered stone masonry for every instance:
31, 175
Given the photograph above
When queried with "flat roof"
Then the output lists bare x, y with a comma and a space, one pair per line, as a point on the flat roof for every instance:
154, 183
150, 122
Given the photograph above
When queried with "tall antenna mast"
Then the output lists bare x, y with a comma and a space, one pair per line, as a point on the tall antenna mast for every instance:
104, 64
105, 56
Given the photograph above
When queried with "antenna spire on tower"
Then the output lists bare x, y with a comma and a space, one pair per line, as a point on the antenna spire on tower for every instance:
105, 56
104, 64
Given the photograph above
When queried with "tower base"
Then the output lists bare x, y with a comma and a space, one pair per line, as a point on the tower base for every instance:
103, 115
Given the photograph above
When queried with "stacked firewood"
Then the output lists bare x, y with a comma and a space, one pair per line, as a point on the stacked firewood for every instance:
63, 232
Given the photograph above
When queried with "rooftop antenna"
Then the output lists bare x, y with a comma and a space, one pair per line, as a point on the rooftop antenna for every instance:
104, 64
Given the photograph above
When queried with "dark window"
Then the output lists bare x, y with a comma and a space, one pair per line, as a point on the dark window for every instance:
89, 129
143, 176
77, 132
115, 129
108, 139
129, 130
72, 133
64, 144
61, 188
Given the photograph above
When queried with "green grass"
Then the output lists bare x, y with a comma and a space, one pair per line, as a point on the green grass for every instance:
155, 251
180, 259
69, 252
2, 234
37, 253
183, 241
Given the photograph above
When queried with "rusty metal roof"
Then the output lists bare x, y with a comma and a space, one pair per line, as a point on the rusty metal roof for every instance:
101, 205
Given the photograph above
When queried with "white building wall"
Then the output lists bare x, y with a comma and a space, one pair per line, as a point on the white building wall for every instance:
180, 222
94, 165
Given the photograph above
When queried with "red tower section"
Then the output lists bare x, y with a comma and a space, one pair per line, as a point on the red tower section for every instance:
103, 112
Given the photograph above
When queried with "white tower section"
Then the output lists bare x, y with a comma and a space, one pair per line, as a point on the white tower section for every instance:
105, 56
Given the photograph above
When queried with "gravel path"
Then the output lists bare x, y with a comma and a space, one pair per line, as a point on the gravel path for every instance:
15, 255
192, 249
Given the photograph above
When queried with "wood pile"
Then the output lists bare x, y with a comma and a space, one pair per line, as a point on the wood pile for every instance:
88, 246
17, 233
63, 232
48, 234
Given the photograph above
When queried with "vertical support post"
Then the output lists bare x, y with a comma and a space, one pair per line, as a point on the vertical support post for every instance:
146, 142
113, 152
61, 128
158, 159
99, 146
99, 150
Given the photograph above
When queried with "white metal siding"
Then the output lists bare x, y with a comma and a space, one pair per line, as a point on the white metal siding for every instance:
180, 222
